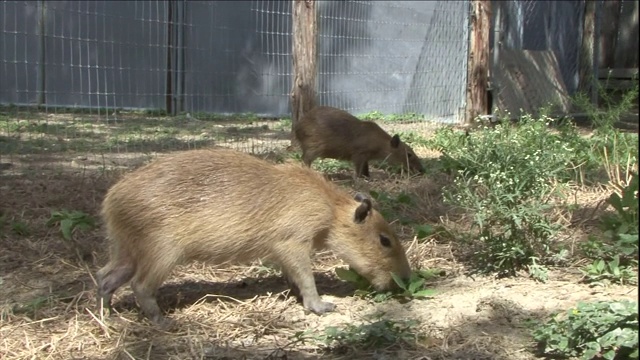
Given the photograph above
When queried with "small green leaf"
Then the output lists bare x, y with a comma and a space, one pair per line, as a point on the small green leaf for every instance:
429, 273
347, 275
66, 226
424, 293
609, 355
422, 231
619, 308
399, 281
415, 285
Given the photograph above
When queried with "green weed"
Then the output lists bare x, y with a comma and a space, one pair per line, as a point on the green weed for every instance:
378, 334
412, 288
607, 113
331, 165
506, 178
70, 221
20, 228
390, 206
391, 118
615, 252
607, 330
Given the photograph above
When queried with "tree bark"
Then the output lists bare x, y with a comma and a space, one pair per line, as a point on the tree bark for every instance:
586, 48
609, 33
305, 32
478, 63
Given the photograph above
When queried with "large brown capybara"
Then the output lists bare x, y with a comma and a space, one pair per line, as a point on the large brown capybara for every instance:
327, 132
222, 206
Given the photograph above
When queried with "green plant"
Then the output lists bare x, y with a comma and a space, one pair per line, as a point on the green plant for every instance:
391, 118
537, 271
601, 270
284, 124
331, 165
625, 204
390, 206
353, 277
423, 231
507, 178
381, 333
363, 286
607, 330
608, 147
615, 253
412, 138
413, 288
32, 306
69, 221
20, 228
609, 110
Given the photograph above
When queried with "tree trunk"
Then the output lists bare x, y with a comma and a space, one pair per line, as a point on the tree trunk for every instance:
586, 48
609, 33
478, 63
305, 31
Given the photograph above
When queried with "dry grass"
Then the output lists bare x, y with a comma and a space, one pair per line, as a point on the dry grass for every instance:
48, 305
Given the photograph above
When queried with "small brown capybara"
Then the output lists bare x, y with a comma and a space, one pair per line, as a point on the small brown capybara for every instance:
222, 206
327, 132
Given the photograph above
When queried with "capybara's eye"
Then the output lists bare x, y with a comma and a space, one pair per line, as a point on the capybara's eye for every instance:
385, 241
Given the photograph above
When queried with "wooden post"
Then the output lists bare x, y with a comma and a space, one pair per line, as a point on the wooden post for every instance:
609, 33
305, 32
586, 48
478, 63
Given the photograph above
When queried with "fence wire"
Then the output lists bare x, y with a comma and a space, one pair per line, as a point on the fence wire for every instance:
536, 53
100, 84
395, 57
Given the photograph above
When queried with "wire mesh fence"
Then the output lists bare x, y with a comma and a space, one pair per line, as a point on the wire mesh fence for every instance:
395, 57
106, 83
536, 53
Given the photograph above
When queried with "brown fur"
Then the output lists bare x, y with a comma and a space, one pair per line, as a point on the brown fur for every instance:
223, 206
327, 132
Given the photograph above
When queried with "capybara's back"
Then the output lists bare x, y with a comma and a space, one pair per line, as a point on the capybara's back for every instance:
222, 206
328, 132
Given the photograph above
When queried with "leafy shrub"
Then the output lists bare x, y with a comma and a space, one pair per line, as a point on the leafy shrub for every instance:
608, 112
506, 177
615, 253
379, 334
606, 330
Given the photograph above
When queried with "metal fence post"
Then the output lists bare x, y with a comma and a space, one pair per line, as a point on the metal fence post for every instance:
179, 57
41, 98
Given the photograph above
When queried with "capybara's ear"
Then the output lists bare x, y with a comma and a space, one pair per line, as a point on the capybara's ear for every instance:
362, 211
395, 141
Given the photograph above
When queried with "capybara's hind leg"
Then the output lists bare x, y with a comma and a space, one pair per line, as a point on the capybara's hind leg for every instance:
146, 297
109, 279
145, 285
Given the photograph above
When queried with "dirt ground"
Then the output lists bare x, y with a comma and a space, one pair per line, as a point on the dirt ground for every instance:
48, 303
